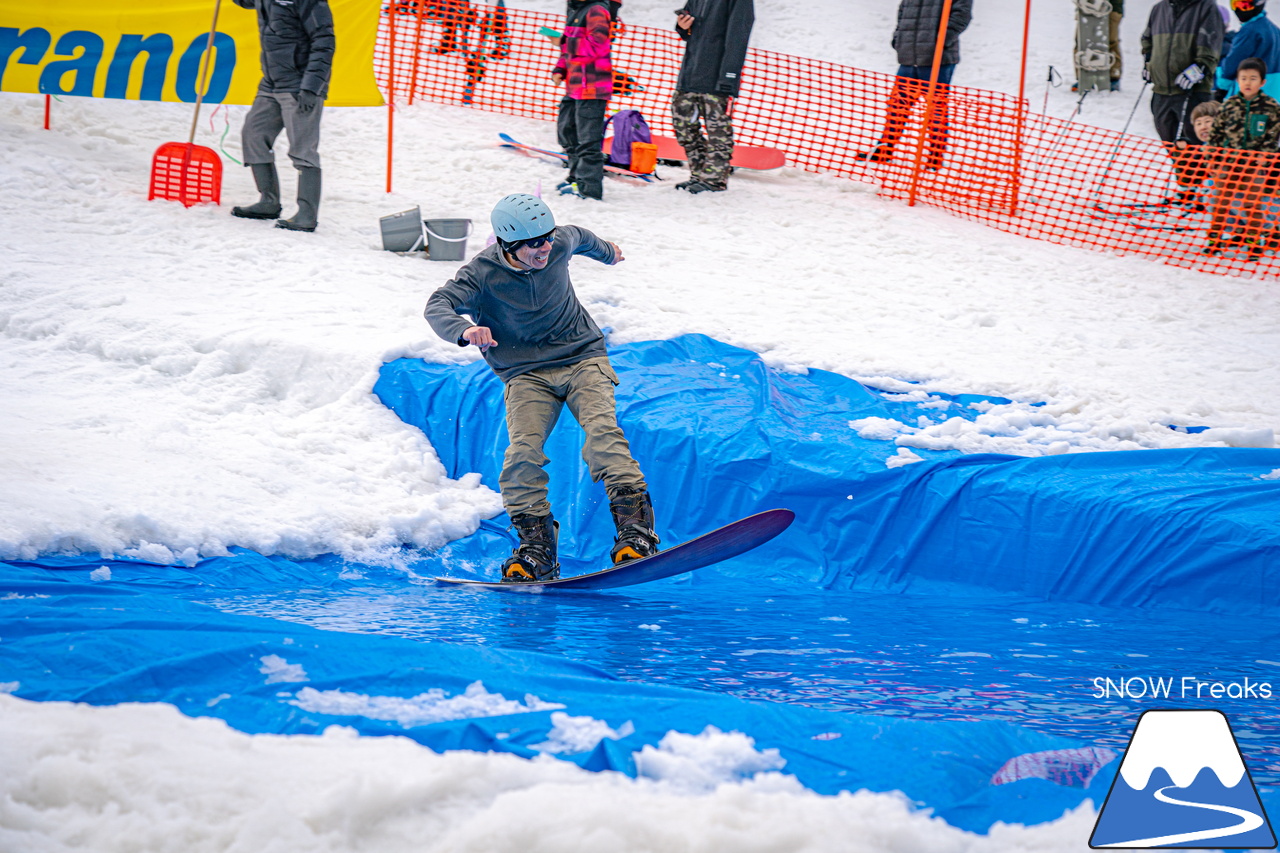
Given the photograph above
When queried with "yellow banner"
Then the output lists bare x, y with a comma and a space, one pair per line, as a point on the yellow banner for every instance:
153, 50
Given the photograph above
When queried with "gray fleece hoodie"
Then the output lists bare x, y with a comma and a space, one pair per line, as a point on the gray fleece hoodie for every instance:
534, 315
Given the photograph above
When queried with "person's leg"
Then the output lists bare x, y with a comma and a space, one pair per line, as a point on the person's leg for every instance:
262, 127
303, 130
940, 125
715, 112
687, 122
533, 407
567, 134
589, 395
1224, 181
907, 89
590, 151
1113, 44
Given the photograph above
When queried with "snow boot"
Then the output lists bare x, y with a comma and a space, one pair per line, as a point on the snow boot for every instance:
703, 187
308, 201
268, 183
534, 559
880, 153
633, 516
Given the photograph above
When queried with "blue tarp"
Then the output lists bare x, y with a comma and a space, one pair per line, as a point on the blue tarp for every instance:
721, 435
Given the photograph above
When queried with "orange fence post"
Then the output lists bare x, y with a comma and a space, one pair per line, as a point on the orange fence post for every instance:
417, 53
930, 101
47, 100
391, 87
1020, 139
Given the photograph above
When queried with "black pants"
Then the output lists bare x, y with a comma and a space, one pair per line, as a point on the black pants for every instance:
1169, 111
580, 129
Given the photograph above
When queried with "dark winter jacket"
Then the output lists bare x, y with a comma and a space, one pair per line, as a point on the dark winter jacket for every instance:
716, 46
534, 315
297, 44
916, 36
1181, 33
1248, 125
585, 50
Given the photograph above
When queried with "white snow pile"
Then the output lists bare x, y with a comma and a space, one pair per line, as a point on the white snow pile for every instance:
278, 670
434, 706
574, 735
144, 777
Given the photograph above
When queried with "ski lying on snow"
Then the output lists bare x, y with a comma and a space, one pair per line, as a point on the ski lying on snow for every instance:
533, 150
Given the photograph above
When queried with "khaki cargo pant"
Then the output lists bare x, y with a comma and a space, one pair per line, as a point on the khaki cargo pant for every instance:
534, 401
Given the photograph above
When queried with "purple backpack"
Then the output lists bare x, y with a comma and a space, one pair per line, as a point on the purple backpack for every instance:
628, 127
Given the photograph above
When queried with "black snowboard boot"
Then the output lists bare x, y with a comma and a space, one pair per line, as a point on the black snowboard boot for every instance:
268, 183
308, 201
534, 559
633, 516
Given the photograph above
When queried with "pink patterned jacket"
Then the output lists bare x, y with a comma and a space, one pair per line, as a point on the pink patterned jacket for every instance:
585, 59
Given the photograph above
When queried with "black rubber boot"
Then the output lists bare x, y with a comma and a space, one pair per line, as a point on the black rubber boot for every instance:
268, 183
308, 201
534, 559
633, 516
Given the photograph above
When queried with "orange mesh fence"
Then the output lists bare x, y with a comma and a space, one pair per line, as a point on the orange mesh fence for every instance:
976, 153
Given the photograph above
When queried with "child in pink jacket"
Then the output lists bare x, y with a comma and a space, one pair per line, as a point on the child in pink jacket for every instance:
586, 69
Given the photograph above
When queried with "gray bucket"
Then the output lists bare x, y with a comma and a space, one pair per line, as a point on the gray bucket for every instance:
402, 232
447, 239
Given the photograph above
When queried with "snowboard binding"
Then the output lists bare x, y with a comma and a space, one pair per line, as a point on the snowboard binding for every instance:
534, 559
632, 512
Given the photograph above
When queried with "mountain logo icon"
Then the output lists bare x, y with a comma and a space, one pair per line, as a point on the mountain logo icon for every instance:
1183, 784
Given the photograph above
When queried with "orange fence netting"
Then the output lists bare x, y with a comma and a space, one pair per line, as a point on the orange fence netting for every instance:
984, 156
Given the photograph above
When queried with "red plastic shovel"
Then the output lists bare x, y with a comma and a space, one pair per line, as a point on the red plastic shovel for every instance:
183, 171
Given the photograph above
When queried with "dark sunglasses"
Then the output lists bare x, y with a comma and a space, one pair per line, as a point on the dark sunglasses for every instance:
535, 242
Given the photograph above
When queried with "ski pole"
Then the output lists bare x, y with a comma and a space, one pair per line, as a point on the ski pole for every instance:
1112, 159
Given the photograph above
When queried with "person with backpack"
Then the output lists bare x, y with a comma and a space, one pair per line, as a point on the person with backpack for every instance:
297, 59
516, 303
715, 34
586, 70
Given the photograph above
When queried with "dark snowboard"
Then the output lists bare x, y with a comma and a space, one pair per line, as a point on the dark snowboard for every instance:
710, 548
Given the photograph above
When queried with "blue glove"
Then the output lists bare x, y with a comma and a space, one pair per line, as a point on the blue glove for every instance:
306, 101
1190, 76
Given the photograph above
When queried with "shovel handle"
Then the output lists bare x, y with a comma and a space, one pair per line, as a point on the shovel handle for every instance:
204, 72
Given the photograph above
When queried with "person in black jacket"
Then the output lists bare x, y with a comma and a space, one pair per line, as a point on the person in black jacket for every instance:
715, 33
297, 59
915, 39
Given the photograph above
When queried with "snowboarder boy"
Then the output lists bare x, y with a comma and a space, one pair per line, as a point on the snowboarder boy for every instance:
586, 69
1249, 122
516, 303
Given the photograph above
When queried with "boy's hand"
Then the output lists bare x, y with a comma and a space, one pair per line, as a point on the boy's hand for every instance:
479, 336
557, 77
685, 21
617, 255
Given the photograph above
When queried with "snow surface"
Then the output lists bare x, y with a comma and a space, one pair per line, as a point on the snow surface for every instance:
144, 777
177, 382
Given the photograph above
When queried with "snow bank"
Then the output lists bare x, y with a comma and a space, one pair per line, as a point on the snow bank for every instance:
144, 777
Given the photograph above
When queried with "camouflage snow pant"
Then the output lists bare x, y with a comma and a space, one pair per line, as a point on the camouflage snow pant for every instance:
709, 155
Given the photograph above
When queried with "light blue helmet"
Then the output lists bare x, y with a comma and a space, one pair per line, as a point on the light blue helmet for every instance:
521, 216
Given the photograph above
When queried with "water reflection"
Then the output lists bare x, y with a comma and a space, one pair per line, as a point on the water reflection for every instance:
1027, 662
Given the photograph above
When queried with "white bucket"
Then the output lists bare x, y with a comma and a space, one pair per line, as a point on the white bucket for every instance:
447, 239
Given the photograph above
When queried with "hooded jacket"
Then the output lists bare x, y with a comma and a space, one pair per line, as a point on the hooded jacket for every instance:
297, 44
585, 50
715, 48
534, 315
916, 36
1181, 33
1257, 37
